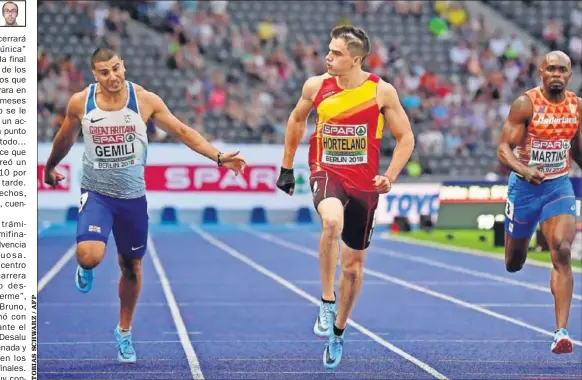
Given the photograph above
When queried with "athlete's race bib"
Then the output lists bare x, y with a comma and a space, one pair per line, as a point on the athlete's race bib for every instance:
113, 147
345, 144
554, 155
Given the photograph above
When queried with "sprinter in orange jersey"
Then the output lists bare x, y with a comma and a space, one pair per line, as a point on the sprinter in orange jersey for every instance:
543, 127
352, 108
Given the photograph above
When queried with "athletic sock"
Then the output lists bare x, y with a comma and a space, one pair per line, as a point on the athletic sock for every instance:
326, 301
336, 331
123, 332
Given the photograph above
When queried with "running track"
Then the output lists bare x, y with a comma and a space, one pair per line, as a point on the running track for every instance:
230, 302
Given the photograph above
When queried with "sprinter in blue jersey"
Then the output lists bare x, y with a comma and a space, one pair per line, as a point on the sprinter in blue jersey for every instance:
112, 114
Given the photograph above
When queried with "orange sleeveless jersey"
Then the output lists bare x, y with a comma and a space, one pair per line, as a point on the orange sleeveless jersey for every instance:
549, 133
348, 133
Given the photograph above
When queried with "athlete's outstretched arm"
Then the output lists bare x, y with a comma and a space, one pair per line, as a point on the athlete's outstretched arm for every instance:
298, 119
190, 137
398, 123
577, 140
65, 139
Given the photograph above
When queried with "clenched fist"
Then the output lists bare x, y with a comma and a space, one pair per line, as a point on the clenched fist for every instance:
382, 184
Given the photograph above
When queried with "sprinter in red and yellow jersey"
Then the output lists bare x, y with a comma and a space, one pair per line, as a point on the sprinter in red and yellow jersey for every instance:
352, 107
543, 127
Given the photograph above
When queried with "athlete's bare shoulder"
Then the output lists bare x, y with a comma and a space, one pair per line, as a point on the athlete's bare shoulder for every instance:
139, 89
147, 100
141, 93
516, 124
307, 99
312, 85
319, 78
386, 88
146, 97
386, 95
521, 109
81, 96
76, 106
150, 103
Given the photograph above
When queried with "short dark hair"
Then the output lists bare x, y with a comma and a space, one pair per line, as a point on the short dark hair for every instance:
102, 54
10, 2
356, 38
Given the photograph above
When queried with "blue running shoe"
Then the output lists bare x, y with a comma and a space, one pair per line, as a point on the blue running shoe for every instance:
84, 279
334, 349
323, 326
125, 351
562, 343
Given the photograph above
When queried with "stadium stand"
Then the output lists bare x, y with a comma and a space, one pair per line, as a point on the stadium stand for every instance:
234, 69
562, 26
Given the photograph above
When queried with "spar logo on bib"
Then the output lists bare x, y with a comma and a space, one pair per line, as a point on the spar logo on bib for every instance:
553, 153
114, 146
345, 144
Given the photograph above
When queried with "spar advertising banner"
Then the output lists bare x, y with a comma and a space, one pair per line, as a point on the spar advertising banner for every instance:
177, 176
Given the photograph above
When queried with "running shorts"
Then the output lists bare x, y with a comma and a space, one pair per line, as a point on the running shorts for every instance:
359, 207
529, 204
127, 218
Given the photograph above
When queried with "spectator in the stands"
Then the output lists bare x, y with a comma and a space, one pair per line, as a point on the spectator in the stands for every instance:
553, 33
460, 54
267, 64
408, 7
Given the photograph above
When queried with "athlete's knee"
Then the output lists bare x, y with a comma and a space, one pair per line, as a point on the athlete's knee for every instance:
331, 211
90, 253
353, 268
515, 259
332, 218
130, 267
332, 225
561, 256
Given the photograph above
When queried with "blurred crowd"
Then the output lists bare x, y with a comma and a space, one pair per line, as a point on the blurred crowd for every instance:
453, 113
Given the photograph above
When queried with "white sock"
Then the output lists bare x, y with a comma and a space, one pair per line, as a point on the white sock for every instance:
123, 332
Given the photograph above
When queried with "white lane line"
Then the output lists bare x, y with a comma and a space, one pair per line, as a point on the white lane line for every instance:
470, 272
112, 372
280, 280
42, 227
56, 268
181, 304
522, 305
411, 286
369, 375
107, 342
466, 251
420, 282
178, 321
459, 269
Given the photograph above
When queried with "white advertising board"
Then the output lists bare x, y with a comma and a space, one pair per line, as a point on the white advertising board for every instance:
411, 200
178, 177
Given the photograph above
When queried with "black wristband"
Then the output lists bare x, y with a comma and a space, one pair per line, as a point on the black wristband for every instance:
218, 161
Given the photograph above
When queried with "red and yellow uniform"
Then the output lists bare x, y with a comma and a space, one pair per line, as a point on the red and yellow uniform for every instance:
344, 154
347, 138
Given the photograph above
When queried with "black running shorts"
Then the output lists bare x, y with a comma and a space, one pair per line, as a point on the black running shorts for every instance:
359, 208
